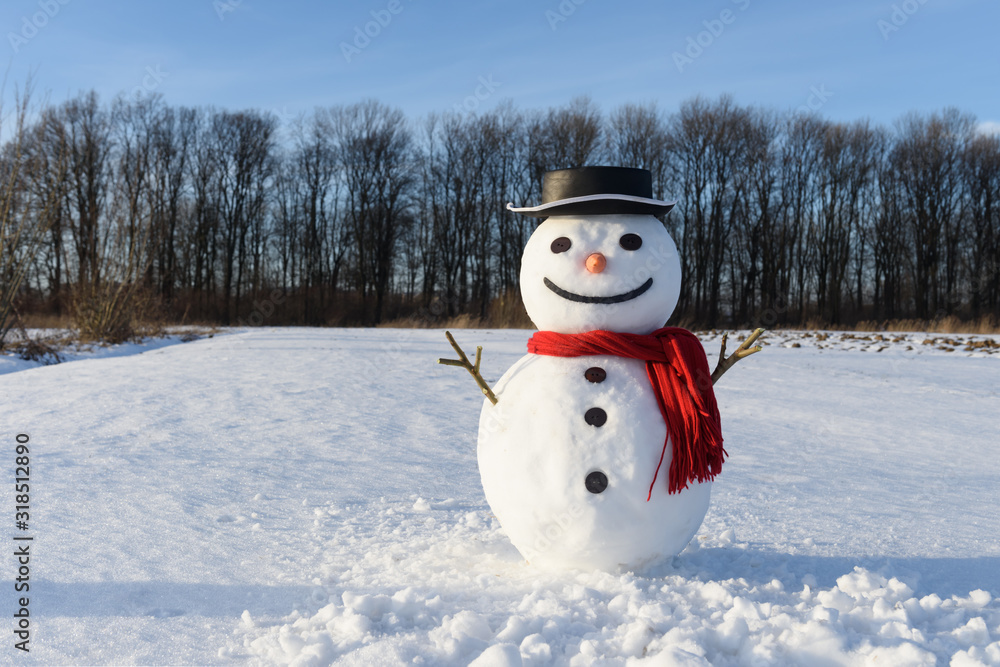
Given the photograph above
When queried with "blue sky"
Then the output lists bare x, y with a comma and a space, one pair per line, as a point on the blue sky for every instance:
850, 60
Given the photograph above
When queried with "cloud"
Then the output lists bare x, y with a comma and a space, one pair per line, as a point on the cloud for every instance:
989, 127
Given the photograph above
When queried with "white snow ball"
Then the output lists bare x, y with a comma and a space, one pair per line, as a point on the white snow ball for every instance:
637, 638
931, 603
860, 582
895, 630
743, 608
498, 655
836, 599
537, 452
731, 634
619, 604
811, 643
977, 656
900, 591
675, 656
319, 652
973, 633
462, 634
967, 659
408, 604
536, 649
884, 610
349, 628
977, 599
421, 505
825, 615
635, 289
372, 606
290, 643
904, 653
325, 615
715, 594
515, 630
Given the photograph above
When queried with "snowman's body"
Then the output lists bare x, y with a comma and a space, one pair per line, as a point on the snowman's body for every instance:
569, 453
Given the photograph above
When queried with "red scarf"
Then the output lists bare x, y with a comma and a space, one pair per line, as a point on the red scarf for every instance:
678, 370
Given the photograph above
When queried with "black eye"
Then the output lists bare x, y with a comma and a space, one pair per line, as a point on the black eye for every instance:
562, 244
630, 241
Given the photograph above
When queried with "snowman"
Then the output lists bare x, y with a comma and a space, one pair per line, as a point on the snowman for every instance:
597, 449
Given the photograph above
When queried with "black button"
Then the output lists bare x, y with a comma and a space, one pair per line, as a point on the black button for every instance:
596, 482
596, 417
561, 244
595, 374
630, 242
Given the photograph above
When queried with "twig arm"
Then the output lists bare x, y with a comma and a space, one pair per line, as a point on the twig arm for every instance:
743, 351
473, 369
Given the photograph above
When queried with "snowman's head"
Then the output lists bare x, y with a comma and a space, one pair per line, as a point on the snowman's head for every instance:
618, 272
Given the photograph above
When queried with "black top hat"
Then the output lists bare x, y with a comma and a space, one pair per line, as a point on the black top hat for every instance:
596, 190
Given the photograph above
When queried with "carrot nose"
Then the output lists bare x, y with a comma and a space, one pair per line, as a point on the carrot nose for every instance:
596, 262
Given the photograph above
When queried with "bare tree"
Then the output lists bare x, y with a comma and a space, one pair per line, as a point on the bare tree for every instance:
981, 175
783, 218
846, 169
26, 210
757, 248
709, 150
242, 146
799, 181
927, 169
86, 129
172, 141
376, 153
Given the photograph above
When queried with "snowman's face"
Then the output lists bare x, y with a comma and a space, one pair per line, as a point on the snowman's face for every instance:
613, 272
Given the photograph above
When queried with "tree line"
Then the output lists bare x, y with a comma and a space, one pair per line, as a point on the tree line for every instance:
356, 214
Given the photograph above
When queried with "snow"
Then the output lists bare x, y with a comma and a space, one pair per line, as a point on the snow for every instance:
309, 496
535, 451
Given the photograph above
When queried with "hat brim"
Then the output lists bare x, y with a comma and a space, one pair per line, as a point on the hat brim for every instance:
602, 204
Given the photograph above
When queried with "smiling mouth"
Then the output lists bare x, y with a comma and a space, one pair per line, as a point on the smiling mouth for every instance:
616, 298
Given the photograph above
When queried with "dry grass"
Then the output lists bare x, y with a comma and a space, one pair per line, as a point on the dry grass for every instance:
463, 321
47, 321
117, 313
988, 324
504, 312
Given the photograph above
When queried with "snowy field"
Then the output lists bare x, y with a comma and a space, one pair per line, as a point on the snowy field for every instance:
311, 496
